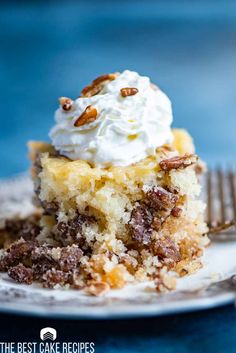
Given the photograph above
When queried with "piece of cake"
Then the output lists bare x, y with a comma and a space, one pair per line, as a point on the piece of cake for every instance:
117, 193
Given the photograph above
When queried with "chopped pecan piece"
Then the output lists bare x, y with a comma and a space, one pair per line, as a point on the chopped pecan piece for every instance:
98, 84
88, 116
66, 103
97, 288
55, 277
128, 91
17, 253
72, 229
64, 259
42, 260
165, 248
23, 228
178, 162
176, 212
151, 213
21, 274
141, 224
160, 199
156, 223
70, 257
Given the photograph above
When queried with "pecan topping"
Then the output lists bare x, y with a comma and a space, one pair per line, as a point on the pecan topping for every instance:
64, 259
97, 288
55, 277
88, 116
128, 91
66, 103
149, 215
178, 162
21, 274
23, 228
141, 224
42, 260
70, 257
166, 248
176, 212
65, 231
160, 199
18, 252
97, 85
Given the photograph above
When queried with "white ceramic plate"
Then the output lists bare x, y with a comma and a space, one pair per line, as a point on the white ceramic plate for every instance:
212, 286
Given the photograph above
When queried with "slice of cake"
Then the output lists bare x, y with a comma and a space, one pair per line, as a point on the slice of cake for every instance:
117, 194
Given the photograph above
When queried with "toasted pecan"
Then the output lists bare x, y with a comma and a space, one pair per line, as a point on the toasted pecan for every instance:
97, 85
176, 212
164, 247
149, 215
88, 116
177, 162
66, 103
128, 91
21, 274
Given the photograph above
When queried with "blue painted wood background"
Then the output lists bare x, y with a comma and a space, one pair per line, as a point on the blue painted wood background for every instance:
53, 48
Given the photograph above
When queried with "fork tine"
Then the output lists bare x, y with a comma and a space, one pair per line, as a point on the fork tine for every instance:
225, 183
231, 178
209, 197
221, 187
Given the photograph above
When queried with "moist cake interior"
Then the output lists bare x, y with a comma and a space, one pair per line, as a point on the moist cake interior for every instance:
101, 228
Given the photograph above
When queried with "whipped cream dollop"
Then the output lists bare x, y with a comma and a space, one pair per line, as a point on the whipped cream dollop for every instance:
126, 129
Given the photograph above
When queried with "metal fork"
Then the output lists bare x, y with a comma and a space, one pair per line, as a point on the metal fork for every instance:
221, 203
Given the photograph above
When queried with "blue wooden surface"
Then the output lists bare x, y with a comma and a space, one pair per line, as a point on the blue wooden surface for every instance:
212, 331
49, 49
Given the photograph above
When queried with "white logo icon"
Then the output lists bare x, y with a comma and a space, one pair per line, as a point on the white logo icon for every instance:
48, 333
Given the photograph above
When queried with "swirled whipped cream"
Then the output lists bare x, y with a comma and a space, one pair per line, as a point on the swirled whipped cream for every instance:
126, 129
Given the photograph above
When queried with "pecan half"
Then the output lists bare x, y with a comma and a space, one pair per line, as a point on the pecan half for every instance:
66, 103
128, 91
97, 85
178, 162
88, 116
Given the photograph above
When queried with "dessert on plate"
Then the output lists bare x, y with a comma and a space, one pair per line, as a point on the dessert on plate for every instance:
116, 194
